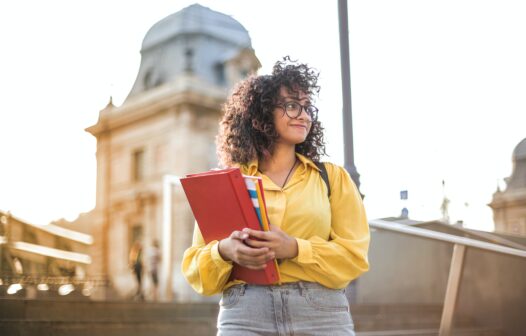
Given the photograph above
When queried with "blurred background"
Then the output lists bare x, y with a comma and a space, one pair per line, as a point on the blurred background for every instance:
105, 103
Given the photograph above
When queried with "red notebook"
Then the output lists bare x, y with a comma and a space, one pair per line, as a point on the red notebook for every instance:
220, 202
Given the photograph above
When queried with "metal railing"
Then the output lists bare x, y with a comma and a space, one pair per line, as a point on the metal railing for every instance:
50, 285
36, 279
460, 244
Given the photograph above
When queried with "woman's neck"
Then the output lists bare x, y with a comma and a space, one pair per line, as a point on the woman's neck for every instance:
281, 160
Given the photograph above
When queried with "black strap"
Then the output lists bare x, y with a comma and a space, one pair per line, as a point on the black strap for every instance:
324, 176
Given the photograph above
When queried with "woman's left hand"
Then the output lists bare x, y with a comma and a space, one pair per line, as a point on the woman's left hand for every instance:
283, 245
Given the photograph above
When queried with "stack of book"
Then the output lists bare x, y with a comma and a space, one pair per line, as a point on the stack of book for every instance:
224, 201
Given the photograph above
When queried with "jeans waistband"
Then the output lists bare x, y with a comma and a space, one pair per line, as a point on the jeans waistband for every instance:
300, 285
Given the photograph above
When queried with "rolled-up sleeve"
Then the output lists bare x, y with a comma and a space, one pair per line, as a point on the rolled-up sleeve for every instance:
203, 267
343, 257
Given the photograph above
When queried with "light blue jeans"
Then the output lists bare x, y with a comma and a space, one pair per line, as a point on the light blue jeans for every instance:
300, 308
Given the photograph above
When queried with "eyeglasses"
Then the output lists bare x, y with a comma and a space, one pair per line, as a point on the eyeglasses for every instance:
293, 110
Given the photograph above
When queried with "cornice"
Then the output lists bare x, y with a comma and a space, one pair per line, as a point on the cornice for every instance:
509, 198
186, 90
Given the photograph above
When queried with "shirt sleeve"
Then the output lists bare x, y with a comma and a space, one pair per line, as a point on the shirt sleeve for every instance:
334, 263
203, 267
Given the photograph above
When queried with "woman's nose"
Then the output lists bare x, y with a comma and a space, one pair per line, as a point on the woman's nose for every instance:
304, 115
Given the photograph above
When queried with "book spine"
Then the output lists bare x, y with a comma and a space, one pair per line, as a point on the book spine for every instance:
243, 198
270, 275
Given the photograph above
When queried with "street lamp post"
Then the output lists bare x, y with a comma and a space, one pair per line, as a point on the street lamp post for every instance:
346, 93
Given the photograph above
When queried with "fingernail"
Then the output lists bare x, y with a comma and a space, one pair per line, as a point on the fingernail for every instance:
244, 236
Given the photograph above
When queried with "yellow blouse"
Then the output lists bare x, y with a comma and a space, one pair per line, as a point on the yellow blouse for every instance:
333, 237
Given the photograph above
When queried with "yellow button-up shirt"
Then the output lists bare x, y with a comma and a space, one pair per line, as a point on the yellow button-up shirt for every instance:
332, 234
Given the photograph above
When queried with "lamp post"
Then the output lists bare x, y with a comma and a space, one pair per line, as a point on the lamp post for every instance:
346, 94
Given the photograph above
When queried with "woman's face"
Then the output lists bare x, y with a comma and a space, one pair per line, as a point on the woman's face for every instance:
292, 130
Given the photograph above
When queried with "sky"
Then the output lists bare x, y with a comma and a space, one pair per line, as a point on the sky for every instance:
438, 94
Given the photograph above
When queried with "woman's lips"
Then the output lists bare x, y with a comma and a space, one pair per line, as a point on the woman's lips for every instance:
300, 126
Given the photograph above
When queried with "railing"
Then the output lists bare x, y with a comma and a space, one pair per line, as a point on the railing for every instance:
35, 249
51, 229
457, 261
62, 285
36, 279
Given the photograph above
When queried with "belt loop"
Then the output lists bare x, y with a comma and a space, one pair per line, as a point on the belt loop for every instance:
301, 285
242, 289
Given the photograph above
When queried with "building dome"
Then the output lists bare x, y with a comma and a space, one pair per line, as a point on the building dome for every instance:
517, 180
509, 206
197, 41
196, 19
519, 153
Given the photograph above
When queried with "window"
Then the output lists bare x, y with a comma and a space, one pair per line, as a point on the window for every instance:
220, 74
151, 79
138, 165
29, 235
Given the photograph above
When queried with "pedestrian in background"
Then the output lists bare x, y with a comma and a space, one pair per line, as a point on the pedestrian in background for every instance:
154, 261
136, 264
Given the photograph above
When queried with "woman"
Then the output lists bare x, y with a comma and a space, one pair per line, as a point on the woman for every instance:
270, 129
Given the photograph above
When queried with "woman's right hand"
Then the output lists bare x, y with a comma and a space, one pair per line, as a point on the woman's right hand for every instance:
234, 249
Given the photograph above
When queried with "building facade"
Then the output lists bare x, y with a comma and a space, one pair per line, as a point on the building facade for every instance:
166, 126
38, 260
509, 206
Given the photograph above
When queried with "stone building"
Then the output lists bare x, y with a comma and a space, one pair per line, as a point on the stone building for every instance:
166, 126
509, 206
46, 257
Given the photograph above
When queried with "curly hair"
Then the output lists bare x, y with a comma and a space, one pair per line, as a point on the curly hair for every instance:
247, 129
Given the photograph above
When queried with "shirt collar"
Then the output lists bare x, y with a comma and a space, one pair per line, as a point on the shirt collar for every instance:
252, 167
306, 161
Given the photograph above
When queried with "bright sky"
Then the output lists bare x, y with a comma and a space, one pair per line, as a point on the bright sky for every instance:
438, 92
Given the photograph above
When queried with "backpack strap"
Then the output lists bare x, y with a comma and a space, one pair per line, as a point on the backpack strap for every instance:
324, 176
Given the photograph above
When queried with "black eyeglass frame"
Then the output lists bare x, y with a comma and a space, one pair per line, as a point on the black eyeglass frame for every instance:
311, 110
